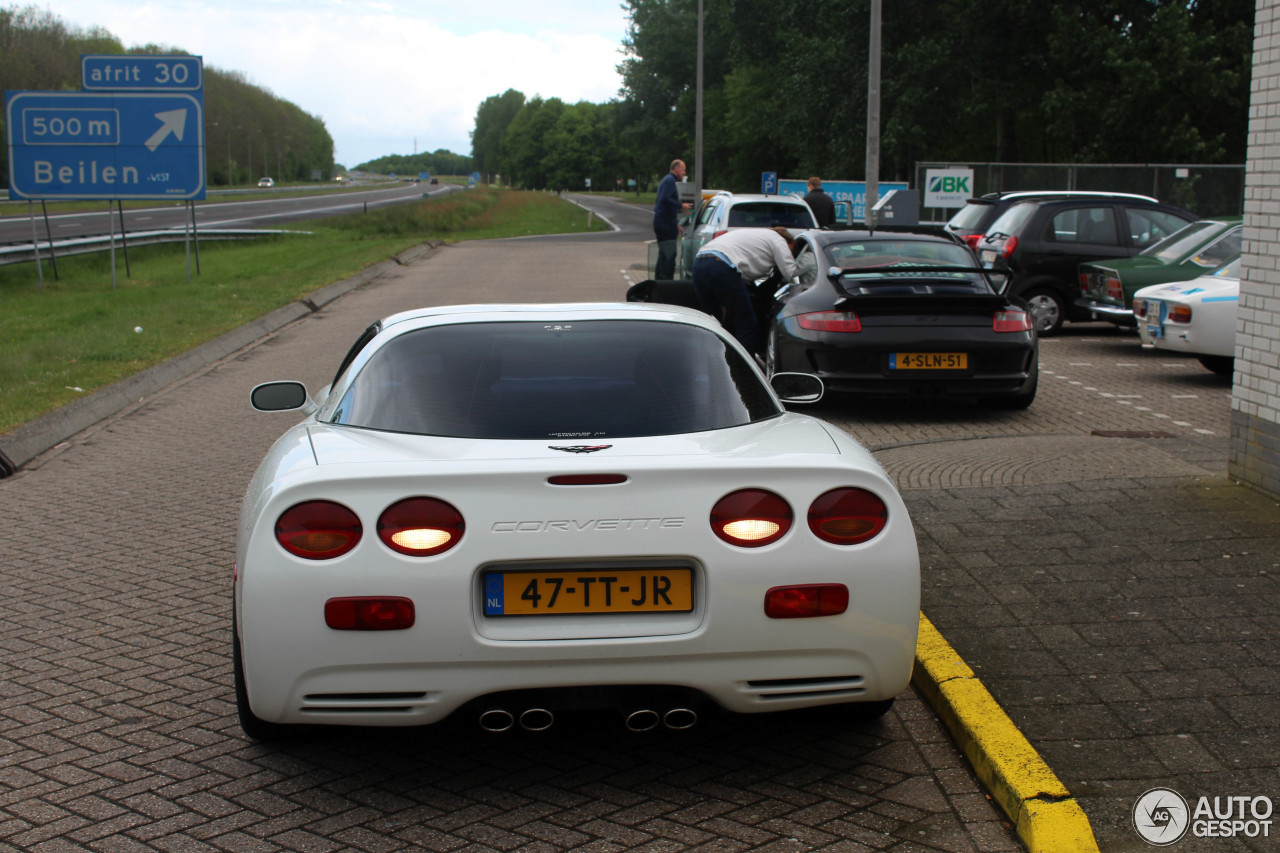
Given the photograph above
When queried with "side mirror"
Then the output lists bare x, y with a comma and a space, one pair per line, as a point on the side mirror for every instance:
797, 387
286, 396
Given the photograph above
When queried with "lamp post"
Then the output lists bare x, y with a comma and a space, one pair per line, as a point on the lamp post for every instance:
873, 116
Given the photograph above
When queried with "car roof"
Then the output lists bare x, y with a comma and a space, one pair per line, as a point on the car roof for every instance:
828, 236
737, 197
560, 311
1018, 195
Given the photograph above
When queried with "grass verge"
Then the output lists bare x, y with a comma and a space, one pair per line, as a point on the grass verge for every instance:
77, 334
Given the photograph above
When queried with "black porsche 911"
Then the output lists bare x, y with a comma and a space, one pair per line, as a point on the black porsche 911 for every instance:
892, 312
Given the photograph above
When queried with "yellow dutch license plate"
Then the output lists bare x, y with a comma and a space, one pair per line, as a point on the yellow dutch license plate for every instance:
658, 590
928, 361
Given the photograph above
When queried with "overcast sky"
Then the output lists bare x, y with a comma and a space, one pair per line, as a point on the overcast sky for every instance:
385, 76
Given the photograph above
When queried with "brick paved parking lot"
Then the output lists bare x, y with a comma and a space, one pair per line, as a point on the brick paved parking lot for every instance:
1066, 557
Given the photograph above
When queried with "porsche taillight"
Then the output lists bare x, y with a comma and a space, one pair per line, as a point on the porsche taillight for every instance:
830, 321
1011, 321
847, 516
751, 518
420, 527
318, 530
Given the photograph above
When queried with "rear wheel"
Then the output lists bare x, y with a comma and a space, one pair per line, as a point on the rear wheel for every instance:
1047, 309
1223, 365
252, 725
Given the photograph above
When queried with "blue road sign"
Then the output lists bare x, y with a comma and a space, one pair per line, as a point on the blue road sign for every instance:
130, 73
769, 183
112, 145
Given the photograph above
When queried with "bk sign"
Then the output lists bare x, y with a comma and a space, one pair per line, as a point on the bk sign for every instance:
947, 187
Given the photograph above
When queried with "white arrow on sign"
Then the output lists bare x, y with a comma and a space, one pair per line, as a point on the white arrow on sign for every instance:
173, 121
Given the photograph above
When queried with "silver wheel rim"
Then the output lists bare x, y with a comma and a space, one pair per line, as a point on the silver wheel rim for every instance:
1045, 310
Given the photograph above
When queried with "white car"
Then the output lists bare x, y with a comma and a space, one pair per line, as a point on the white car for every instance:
510, 511
1197, 316
725, 211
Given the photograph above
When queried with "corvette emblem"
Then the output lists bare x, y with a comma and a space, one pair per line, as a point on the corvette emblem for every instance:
582, 448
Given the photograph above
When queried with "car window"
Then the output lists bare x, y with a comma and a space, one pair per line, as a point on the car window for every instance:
970, 216
807, 261
708, 211
1223, 250
591, 379
1093, 225
767, 214
862, 254
1012, 220
1148, 226
1174, 248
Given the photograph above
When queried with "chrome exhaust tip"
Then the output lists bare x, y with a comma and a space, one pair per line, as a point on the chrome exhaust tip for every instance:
497, 720
679, 719
644, 720
536, 720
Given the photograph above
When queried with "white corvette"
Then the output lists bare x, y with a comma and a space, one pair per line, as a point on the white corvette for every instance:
515, 510
1197, 316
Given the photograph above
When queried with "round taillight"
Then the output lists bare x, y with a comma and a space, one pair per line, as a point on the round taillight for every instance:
847, 516
751, 518
318, 530
420, 527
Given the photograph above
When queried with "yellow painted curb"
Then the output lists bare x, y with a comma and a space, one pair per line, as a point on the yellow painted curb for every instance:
1044, 814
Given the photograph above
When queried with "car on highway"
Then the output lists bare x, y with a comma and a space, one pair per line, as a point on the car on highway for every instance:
898, 312
266, 182
1197, 317
1042, 242
725, 211
512, 511
1198, 249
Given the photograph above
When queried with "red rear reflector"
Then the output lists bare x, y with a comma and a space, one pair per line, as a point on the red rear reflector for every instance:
382, 613
751, 518
806, 601
1011, 321
587, 479
830, 321
420, 527
318, 530
847, 516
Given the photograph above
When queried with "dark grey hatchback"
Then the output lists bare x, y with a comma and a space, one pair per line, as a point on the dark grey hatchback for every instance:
1042, 241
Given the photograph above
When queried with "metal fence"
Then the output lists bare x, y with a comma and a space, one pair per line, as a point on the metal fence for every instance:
1206, 190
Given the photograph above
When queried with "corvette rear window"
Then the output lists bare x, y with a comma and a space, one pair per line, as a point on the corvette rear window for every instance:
535, 380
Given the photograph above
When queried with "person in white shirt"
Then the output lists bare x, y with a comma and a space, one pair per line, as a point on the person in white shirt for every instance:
723, 267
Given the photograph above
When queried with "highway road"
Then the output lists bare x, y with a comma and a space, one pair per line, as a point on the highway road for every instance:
268, 208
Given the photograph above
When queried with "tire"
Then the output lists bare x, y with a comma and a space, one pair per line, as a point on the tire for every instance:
1017, 401
253, 726
1223, 365
1047, 309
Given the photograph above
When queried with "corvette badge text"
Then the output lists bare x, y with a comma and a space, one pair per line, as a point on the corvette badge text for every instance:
1162, 817
575, 526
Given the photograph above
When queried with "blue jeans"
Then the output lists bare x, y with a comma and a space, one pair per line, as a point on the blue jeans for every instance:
723, 295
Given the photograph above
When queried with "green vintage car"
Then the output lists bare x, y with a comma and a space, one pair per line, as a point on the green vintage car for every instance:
1107, 286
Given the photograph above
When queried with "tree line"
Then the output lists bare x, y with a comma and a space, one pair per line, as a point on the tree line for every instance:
249, 132
785, 89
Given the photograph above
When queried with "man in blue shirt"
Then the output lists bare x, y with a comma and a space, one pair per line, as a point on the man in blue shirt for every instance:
666, 221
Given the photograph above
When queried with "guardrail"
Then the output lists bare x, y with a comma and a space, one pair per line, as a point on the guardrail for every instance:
18, 253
